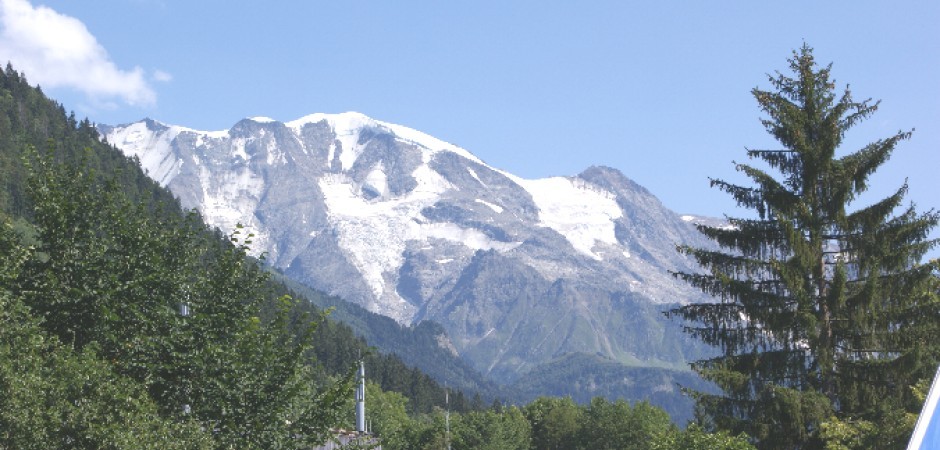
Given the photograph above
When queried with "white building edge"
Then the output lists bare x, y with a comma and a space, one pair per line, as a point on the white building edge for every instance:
927, 431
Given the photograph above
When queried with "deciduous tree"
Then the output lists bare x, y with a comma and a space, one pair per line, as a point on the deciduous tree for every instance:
113, 276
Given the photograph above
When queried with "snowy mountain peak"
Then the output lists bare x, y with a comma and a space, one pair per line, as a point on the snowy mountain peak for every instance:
342, 123
415, 228
351, 123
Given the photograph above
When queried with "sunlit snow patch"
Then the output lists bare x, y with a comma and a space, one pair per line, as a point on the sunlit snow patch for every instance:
377, 180
238, 149
475, 176
583, 213
497, 208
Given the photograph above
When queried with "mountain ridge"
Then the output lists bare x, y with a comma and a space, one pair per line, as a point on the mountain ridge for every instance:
519, 272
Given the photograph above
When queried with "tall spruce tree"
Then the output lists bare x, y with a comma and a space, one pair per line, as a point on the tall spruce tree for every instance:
820, 311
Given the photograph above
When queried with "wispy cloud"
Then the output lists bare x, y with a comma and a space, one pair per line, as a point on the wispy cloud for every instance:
55, 50
161, 76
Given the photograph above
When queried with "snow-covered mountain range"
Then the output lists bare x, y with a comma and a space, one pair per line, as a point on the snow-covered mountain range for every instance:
519, 272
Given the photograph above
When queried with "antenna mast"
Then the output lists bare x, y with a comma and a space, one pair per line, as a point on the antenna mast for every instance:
361, 398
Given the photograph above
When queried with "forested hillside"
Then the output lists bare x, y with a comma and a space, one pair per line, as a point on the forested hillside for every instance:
423, 345
125, 324
29, 119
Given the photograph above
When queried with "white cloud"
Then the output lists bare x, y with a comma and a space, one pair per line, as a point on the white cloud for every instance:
161, 76
54, 50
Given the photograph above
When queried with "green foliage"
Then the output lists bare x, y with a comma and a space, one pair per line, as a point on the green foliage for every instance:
583, 376
491, 430
891, 429
426, 432
389, 419
115, 277
53, 397
549, 423
695, 438
820, 311
617, 425
556, 423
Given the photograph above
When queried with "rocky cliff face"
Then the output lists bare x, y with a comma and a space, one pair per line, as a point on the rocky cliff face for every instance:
519, 272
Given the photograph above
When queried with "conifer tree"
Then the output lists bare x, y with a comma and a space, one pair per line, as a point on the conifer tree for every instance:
820, 311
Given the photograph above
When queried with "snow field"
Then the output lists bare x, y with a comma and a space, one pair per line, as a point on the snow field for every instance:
583, 215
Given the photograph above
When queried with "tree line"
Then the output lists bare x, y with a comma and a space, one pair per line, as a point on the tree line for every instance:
548, 423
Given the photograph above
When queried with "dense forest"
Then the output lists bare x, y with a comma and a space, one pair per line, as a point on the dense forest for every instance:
126, 323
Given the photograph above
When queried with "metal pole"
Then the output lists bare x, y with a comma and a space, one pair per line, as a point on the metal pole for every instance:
184, 312
447, 415
361, 399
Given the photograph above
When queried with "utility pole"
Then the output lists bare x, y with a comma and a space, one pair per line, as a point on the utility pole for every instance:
184, 312
447, 415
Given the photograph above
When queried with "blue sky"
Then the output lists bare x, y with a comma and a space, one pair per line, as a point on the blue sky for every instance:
658, 90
